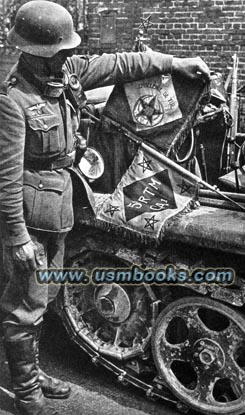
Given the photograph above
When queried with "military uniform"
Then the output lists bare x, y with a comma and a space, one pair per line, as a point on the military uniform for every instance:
38, 134
40, 105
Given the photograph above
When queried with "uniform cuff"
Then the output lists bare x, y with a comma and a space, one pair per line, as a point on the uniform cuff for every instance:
18, 235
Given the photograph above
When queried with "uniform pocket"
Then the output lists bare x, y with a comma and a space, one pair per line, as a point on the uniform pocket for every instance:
43, 199
43, 135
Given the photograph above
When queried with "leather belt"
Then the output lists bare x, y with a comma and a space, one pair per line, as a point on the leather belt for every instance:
60, 163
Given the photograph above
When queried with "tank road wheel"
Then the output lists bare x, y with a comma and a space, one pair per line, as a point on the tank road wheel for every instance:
114, 320
199, 350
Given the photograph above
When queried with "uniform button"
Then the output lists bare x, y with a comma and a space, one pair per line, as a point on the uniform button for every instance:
45, 126
40, 185
13, 80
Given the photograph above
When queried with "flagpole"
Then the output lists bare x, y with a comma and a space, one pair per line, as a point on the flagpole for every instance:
161, 157
186, 173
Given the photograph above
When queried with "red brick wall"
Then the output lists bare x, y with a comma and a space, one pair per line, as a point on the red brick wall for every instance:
212, 29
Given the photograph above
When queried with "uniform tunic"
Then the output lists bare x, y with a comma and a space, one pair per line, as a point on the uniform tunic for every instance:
38, 126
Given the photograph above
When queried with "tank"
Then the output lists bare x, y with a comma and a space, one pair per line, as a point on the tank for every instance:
177, 175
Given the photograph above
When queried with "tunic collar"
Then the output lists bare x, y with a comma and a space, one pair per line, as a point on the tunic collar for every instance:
35, 72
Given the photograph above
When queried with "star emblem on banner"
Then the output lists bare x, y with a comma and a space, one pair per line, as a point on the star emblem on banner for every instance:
148, 110
112, 209
145, 164
145, 22
150, 222
185, 187
134, 192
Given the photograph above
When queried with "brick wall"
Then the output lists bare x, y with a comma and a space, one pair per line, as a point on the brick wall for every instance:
8, 57
213, 29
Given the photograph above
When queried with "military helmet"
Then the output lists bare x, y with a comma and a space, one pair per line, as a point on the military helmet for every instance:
43, 28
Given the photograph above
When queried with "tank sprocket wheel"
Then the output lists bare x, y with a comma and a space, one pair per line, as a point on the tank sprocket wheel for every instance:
199, 350
116, 320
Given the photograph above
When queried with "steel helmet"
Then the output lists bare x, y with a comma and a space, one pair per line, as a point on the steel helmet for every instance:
43, 28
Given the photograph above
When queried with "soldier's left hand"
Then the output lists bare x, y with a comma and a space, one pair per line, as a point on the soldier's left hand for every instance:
193, 68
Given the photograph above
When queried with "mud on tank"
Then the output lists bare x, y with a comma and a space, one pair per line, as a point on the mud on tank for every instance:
184, 344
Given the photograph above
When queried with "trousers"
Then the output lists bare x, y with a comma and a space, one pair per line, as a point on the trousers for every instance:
24, 300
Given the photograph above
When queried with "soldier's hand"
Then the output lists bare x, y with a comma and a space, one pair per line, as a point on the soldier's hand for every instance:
193, 68
26, 257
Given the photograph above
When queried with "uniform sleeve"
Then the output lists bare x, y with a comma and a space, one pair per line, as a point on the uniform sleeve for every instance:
12, 139
111, 69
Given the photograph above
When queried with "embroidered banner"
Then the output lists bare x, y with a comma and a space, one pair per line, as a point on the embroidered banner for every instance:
153, 102
168, 137
148, 194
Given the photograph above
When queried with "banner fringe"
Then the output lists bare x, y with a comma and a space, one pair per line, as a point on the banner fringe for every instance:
134, 235
182, 134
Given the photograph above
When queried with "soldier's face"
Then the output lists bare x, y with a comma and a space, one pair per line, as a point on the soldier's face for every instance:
57, 61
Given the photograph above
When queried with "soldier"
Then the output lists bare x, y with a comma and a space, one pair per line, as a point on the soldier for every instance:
40, 104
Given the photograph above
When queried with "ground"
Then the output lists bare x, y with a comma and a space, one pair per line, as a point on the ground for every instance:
94, 390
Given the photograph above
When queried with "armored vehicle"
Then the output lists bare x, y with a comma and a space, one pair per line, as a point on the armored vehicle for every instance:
171, 199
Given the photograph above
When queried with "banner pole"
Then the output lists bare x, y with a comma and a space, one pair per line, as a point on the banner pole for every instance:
187, 174
170, 163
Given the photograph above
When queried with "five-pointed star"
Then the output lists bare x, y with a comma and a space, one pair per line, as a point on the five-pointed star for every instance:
185, 187
150, 223
148, 109
145, 164
145, 22
112, 209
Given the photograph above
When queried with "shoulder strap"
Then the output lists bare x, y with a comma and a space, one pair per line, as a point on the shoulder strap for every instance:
10, 81
4, 88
